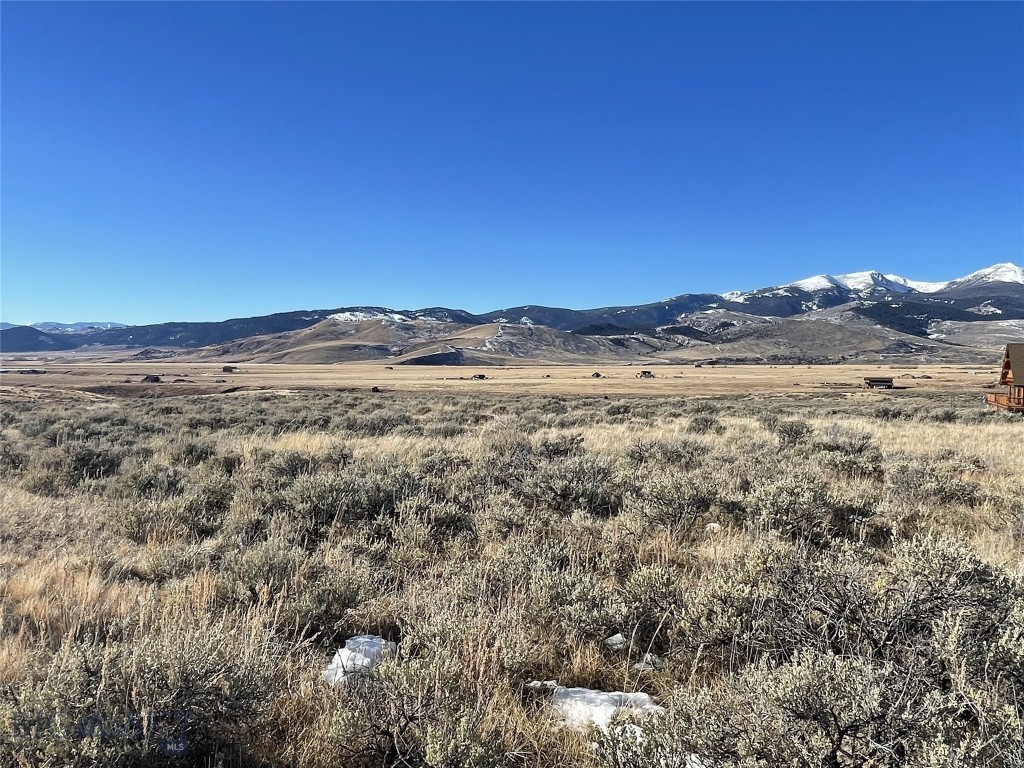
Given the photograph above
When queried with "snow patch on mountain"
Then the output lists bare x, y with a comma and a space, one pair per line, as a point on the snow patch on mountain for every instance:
362, 315
921, 286
986, 308
816, 283
997, 273
83, 327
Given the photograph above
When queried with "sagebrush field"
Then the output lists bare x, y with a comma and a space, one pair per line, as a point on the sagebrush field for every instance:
811, 580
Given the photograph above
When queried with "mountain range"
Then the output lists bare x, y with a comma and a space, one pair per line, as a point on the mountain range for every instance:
824, 318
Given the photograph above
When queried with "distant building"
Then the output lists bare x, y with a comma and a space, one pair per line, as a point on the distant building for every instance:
1013, 399
878, 382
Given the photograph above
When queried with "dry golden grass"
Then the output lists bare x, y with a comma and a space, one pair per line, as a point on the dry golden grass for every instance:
671, 380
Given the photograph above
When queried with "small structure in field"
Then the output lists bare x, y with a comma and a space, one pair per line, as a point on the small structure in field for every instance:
479, 376
151, 379
597, 375
645, 375
878, 382
228, 369
1013, 399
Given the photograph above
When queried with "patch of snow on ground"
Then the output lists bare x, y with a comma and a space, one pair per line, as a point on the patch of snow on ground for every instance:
616, 642
362, 654
584, 708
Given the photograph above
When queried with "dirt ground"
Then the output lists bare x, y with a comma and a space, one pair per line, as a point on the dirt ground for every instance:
684, 380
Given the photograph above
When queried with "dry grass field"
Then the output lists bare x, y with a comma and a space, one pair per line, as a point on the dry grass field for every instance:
670, 380
799, 576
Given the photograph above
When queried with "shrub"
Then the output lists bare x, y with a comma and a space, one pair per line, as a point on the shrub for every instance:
704, 423
11, 458
800, 506
889, 413
560, 446
113, 701
684, 452
844, 440
792, 431
415, 713
675, 498
71, 464
579, 483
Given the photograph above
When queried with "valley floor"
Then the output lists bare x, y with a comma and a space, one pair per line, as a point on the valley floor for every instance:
125, 379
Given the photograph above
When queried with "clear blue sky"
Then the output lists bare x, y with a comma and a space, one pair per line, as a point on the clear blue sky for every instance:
188, 161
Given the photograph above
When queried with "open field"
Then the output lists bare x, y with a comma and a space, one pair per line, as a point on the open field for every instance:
802, 577
671, 380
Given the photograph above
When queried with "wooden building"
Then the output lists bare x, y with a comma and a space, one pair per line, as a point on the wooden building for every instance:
1013, 399
878, 382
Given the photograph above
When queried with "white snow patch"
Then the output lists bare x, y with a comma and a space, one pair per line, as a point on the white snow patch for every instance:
733, 295
584, 708
816, 283
440, 317
360, 316
921, 286
616, 642
361, 655
986, 308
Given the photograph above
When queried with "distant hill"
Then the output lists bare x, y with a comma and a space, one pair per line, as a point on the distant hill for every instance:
86, 327
25, 338
886, 315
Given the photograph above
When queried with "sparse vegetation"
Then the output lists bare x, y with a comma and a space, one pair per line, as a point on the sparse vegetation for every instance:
808, 581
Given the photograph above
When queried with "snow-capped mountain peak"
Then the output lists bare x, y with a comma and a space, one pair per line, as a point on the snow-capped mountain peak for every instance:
872, 283
816, 283
997, 273
858, 282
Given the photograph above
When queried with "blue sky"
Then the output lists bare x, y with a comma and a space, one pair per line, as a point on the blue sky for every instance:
198, 161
